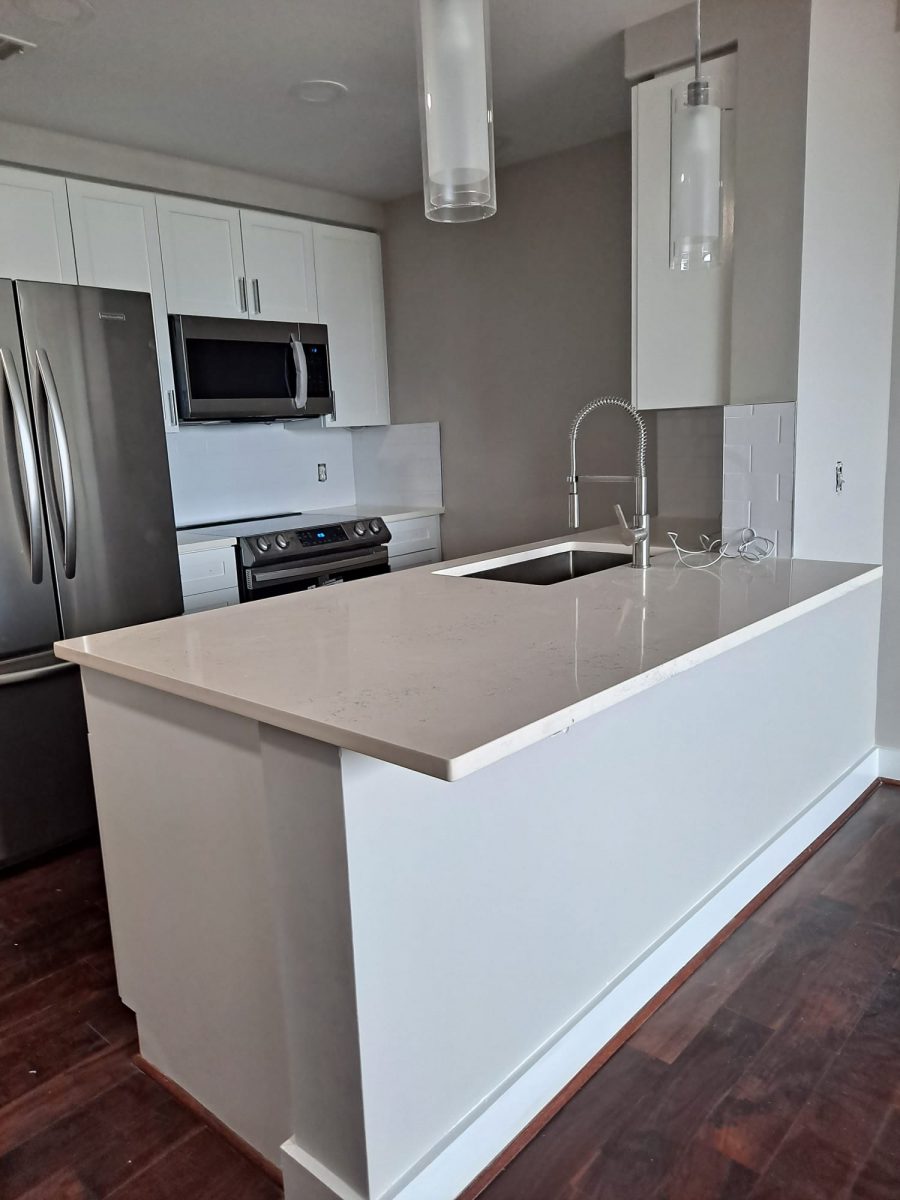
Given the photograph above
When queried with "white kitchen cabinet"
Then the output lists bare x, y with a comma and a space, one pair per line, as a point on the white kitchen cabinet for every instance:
681, 320
280, 267
203, 257
36, 238
351, 304
414, 542
116, 240
208, 577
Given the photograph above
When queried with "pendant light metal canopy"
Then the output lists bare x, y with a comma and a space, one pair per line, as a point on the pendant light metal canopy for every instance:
456, 110
696, 188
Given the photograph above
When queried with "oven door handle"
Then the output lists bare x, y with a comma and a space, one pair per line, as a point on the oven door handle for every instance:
260, 576
301, 395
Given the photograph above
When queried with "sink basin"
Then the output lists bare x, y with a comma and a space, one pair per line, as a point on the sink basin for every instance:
553, 568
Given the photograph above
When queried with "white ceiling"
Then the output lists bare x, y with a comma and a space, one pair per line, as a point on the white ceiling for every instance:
209, 80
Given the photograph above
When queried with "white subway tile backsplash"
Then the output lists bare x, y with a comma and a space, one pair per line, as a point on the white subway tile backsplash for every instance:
758, 484
736, 486
735, 516
737, 459
771, 457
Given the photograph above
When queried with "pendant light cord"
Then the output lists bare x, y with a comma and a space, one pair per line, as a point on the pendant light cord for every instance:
698, 66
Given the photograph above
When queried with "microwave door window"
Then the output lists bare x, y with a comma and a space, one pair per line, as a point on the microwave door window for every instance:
235, 370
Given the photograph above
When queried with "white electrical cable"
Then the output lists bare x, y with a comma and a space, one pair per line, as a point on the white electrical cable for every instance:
748, 545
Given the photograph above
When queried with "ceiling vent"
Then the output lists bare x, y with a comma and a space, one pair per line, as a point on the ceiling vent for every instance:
10, 46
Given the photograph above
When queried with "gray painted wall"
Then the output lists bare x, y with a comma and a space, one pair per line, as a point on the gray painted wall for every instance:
689, 461
502, 330
889, 659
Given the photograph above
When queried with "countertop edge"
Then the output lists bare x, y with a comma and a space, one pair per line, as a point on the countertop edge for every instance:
222, 543
561, 722
457, 767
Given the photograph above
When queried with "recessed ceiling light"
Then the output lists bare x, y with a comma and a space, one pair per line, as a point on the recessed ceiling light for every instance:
319, 91
58, 12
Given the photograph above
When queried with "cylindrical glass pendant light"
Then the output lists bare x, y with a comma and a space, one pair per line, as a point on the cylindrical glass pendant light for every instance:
696, 190
456, 113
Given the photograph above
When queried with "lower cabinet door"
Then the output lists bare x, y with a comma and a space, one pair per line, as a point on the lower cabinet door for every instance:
206, 600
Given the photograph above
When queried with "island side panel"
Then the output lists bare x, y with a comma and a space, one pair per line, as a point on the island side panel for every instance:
305, 806
186, 857
490, 914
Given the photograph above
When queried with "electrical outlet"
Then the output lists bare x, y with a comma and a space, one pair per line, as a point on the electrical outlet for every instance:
323, 473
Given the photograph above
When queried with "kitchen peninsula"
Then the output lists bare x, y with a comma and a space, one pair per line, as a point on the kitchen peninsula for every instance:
310, 805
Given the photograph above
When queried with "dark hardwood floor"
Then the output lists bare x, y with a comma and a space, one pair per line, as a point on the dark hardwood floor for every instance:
774, 1072
78, 1121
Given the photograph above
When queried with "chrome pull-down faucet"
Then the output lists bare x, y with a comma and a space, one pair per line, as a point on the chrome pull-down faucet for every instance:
637, 534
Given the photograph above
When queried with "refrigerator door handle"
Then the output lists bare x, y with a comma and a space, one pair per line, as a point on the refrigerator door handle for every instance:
34, 672
54, 409
30, 488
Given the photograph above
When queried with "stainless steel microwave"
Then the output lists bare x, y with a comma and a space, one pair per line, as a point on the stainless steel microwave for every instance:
233, 369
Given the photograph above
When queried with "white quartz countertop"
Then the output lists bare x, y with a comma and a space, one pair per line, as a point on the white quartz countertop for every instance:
192, 540
445, 674
390, 511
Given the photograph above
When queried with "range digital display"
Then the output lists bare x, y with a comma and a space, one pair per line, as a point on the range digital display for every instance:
322, 537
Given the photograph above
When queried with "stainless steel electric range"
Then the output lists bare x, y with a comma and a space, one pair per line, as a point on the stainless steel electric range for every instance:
294, 552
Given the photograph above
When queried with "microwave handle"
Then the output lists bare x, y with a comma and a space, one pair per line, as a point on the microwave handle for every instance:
302, 394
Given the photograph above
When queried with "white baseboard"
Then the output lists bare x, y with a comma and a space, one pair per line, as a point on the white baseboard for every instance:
889, 763
455, 1166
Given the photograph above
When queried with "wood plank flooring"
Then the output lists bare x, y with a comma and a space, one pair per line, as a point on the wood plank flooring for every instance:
78, 1121
774, 1072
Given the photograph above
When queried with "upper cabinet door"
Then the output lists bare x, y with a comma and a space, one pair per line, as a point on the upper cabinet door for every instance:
117, 246
281, 271
203, 259
351, 304
681, 320
36, 242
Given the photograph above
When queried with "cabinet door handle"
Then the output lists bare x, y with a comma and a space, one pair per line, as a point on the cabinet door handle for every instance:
242, 292
256, 295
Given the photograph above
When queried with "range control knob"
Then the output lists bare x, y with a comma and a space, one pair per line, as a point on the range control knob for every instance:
360, 528
262, 544
375, 526
281, 541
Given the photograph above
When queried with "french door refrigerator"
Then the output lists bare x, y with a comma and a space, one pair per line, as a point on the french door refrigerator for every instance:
87, 532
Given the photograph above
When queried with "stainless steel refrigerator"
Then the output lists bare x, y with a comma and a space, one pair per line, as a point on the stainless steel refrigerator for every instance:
87, 532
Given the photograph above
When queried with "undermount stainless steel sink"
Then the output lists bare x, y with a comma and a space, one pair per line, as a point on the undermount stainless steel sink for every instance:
553, 568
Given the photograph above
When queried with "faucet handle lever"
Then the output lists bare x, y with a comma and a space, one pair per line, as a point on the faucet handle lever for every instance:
627, 530
632, 533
